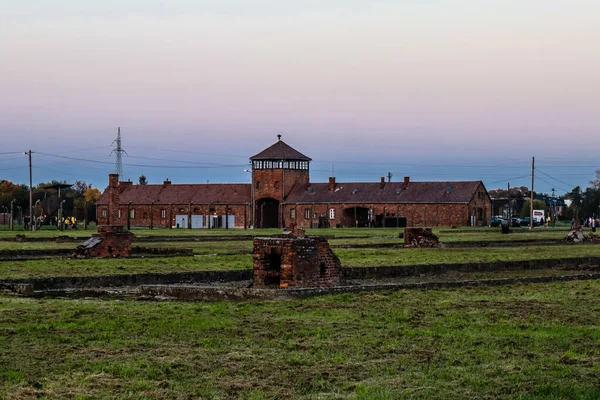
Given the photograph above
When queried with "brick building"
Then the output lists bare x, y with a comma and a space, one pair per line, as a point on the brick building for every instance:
281, 193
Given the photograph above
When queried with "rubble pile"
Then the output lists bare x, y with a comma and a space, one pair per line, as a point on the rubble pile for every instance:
420, 237
576, 236
592, 238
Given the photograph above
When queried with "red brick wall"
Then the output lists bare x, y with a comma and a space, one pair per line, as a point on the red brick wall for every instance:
116, 242
305, 262
481, 206
416, 214
269, 177
146, 214
113, 200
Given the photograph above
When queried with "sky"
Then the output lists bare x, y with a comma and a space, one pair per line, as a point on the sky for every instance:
431, 89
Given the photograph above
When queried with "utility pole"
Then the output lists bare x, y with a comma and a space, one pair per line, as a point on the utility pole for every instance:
553, 209
508, 203
531, 194
30, 192
12, 215
389, 176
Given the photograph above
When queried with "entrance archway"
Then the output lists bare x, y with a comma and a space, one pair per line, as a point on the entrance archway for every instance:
267, 213
356, 217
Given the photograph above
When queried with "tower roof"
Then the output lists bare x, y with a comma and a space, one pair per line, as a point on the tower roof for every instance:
280, 151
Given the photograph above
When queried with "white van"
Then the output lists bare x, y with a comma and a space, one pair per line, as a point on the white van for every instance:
538, 216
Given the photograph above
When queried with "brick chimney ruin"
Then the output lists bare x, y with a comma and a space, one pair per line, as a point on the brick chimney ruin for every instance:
112, 240
295, 260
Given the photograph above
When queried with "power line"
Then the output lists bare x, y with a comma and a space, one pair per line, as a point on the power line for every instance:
552, 184
511, 179
189, 152
178, 161
557, 180
148, 165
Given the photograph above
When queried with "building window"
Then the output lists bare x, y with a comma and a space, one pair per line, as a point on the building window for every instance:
182, 210
307, 213
119, 214
104, 213
163, 213
332, 213
276, 184
132, 213
293, 213
145, 215
257, 184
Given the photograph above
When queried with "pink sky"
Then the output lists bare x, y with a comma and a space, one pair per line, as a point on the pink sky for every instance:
455, 80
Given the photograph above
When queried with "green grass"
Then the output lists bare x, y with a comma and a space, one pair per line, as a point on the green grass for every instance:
412, 256
222, 258
104, 266
36, 245
524, 341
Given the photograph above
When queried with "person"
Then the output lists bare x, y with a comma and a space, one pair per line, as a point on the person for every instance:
26, 223
594, 223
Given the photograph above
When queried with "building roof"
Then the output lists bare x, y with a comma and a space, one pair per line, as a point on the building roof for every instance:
391, 192
280, 151
223, 193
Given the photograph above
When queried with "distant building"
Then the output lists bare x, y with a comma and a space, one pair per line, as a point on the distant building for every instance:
281, 193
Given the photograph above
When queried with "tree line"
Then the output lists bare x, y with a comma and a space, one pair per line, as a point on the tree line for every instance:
46, 200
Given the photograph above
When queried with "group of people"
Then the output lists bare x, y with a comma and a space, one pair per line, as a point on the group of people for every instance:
37, 221
590, 222
69, 222
66, 222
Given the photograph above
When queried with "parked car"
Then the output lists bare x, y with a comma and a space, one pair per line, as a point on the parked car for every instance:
496, 221
525, 222
515, 222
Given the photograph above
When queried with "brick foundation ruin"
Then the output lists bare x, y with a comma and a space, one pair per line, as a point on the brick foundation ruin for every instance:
110, 241
420, 237
293, 260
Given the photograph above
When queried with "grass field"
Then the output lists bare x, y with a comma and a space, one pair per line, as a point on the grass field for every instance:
446, 233
524, 341
225, 258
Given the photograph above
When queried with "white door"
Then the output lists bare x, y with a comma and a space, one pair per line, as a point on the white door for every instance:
181, 221
230, 221
197, 221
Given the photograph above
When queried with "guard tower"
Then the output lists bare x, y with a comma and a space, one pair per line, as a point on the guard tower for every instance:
275, 172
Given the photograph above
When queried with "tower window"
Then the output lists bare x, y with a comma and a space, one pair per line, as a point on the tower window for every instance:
307, 213
163, 213
276, 185
257, 184
332, 213
104, 212
293, 213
